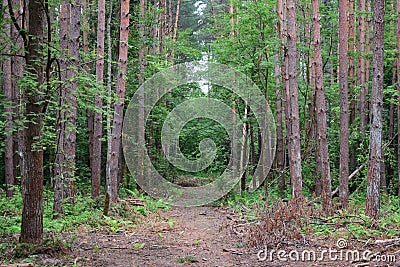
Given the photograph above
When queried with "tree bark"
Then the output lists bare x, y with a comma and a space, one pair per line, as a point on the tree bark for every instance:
321, 113
32, 189
17, 68
8, 111
375, 149
361, 67
60, 162
170, 19
351, 51
178, 4
89, 111
70, 134
280, 146
344, 117
98, 116
352, 78
282, 34
244, 152
293, 98
109, 88
112, 187
141, 127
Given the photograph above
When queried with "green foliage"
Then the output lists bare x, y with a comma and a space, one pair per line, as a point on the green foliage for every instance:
188, 258
86, 212
354, 224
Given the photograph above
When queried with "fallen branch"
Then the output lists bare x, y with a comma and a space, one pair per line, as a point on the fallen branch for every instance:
350, 177
231, 250
387, 241
133, 201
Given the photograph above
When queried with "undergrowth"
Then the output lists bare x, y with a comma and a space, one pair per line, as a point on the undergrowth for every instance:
275, 221
84, 215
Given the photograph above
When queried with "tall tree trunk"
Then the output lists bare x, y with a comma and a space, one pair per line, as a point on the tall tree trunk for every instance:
352, 78
70, 134
32, 189
344, 116
375, 150
361, 66
67, 114
89, 111
235, 134
112, 188
282, 34
170, 19
321, 113
60, 161
244, 152
17, 67
178, 4
351, 51
175, 28
252, 153
280, 146
8, 111
368, 38
293, 102
141, 126
390, 169
98, 116
109, 88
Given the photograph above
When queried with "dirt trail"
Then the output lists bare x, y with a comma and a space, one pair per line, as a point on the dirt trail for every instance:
200, 236
177, 237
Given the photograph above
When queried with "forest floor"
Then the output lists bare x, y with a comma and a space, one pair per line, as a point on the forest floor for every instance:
199, 236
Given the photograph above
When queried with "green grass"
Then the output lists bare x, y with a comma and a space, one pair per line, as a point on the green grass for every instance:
85, 212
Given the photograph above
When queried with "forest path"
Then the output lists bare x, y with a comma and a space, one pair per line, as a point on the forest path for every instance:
196, 236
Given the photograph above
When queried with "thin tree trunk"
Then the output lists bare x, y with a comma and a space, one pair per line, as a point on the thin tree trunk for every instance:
280, 146
8, 111
109, 88
163, 25
235, 153
351, 51
282, 34
60, 182
252, 153
352, 79
70, 135
293, 100
98, 116
344, 117
178, 4
141, 129
244, 152
361, 67
367, 65
321, 113
375, 153
112, 188
390, 169
383, 183
170, 19
89, 111
17, 67
32, 189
